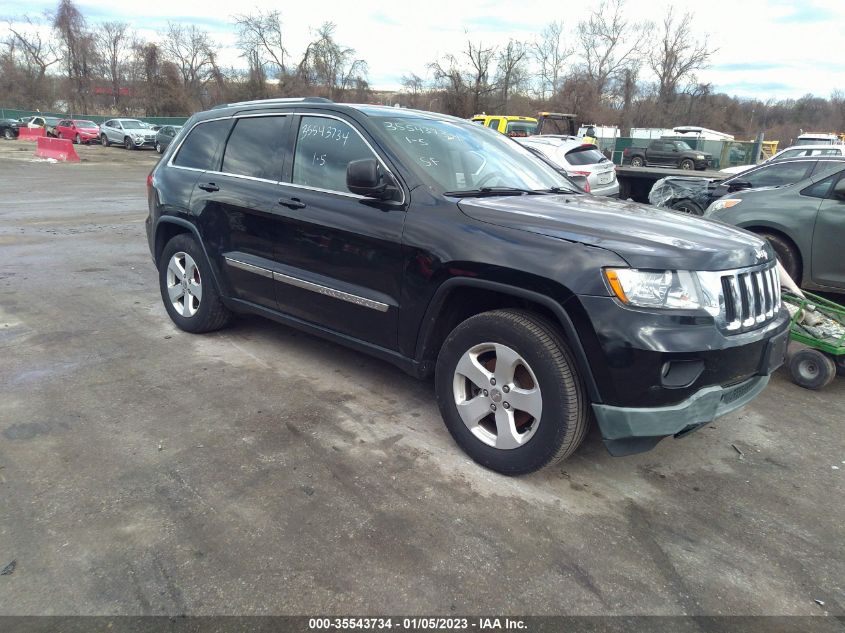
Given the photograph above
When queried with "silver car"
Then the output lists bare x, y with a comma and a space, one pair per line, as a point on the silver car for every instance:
577, 158
131, 133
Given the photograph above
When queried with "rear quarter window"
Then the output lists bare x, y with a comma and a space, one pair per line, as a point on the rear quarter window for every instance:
201, 148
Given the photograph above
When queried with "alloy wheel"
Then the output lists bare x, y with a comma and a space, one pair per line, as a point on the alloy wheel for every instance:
184, 284
497, 395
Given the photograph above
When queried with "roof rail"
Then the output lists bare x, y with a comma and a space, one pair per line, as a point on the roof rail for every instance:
272, 101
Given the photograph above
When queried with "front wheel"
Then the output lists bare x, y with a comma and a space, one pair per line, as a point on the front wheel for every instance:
159, 148
687, 164
77, 140
509, 391
787, 255
187, 288
8, 134
688, 207
812, 369
128, 144
104, 140
839, 361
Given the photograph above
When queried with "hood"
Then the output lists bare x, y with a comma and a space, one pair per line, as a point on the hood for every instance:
645, 236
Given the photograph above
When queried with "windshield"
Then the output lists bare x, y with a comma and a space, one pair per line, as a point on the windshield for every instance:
85, 124
134, 125
461, 156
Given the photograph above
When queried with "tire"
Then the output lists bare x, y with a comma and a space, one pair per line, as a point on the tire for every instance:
8, 134
77, 140
686, 164
159, 148
688, 207
104, 140
637, 161
812, 369
203, 311
544, 369
128, 144
786, 253
839, 361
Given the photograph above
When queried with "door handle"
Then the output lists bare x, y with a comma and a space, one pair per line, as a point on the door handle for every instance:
209, 186
292, 203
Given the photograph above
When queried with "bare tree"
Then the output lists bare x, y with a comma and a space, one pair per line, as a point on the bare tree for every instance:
609, 43
678, 56
551, 55
333, 65
511, 71
39, 54
480, 60
79, 53
112, 40
261, 39
192, 51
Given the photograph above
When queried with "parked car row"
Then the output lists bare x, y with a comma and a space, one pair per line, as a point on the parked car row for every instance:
129, 133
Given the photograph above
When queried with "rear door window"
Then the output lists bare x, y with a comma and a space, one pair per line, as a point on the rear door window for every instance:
256, 147
200, 149
585, 156
324, 147
494, 123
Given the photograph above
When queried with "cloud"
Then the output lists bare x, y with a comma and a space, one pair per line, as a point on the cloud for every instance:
745, 66
804, 13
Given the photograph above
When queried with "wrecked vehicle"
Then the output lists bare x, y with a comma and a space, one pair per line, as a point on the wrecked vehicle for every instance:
448, 249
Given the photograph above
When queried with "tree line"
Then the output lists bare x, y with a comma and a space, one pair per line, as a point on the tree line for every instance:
608, 68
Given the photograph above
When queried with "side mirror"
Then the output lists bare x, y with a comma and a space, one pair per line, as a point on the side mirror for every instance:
738, 185
366, 178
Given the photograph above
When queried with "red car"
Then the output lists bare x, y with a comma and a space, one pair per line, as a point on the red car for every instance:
77, 130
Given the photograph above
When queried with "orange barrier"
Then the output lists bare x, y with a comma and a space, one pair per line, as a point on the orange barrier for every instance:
58, 148
31, 133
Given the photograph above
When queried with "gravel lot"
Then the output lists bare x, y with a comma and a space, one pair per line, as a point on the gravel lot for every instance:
258, 470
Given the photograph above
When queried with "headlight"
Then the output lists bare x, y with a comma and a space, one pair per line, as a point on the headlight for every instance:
654, 288
699, 157
723, 203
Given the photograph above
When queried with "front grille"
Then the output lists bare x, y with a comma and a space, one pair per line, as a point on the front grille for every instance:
751, 297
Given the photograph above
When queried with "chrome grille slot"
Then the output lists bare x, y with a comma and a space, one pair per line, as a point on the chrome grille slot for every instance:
747, 297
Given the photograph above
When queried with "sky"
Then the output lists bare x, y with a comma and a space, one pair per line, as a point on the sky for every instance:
766, 49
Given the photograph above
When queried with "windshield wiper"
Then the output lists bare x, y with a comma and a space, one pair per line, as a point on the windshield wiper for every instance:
558, 190
494, 191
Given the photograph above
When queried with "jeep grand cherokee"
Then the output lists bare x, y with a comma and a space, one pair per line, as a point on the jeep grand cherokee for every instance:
444, 247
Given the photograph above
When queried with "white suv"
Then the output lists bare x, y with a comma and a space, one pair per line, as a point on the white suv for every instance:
130, 133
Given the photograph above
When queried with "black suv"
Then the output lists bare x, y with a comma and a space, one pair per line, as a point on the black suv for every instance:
447, 248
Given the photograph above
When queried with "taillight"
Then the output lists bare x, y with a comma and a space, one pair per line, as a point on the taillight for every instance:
626, 151
149, 180
586, 186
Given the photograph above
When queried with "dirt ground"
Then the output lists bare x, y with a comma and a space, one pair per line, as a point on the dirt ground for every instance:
259, 470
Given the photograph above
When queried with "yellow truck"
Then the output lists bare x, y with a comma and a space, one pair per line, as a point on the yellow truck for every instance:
510, 125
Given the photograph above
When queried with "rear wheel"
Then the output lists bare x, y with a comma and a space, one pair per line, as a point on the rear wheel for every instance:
687, 206
839, 361
509, 392
187, 288
687, 164
8, 134
812, 369
787, 255
637, 161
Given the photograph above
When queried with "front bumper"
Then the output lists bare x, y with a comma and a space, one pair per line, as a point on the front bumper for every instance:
629, 430
659, 374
